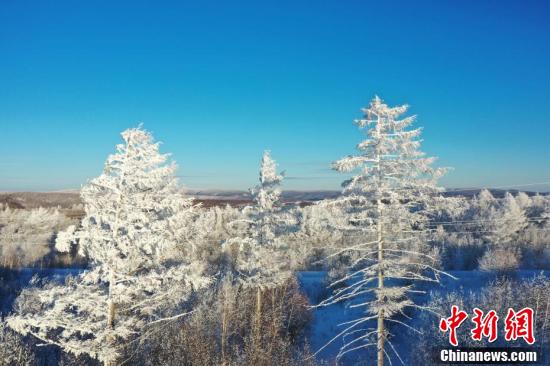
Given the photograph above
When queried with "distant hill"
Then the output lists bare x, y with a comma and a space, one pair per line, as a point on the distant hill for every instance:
287, 196
297, 196
67, 199
30, 200
497, 193
208, 198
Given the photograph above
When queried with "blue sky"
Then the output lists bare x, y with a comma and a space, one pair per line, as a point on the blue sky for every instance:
218, 82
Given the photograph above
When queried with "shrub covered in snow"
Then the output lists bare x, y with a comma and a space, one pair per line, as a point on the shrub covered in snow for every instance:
27, 236
499, 260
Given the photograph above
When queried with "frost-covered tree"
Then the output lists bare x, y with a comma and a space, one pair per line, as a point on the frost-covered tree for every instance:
502, 225
500, 260
484, 202
491, 221
267, 197
506, 222
523, 200
314, 234
387, 205
262, 260
476, 221
260, 256
133, 233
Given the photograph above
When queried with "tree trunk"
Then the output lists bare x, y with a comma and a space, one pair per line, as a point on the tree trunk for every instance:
111, 316
258, 309
274, 321
379, 229
380, 329
224, 326
381, 339
256, 327
111, 320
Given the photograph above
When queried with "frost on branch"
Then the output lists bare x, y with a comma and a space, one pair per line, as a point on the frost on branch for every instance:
13, 350
261, 257
386, 204
136, 235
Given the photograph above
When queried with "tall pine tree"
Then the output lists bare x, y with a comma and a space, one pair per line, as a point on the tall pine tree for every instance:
387, 204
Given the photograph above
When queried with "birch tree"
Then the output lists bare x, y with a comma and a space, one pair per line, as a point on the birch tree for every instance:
387, 204
133, 237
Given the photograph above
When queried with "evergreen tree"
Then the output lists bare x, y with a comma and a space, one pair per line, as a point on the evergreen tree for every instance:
262, 258
132, 235
387, 204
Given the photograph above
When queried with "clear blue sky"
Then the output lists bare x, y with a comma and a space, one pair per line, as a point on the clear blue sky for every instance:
218, 82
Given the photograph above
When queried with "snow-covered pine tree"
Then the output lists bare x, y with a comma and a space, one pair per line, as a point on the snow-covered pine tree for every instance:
484, 201
477, 222
506, 222
132, 236
387, 205
267, 196
261, 258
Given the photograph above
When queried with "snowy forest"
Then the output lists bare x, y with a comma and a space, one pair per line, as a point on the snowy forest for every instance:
138, 272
